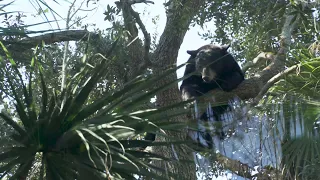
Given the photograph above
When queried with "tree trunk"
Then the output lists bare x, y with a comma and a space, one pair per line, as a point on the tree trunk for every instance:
179, 152
179, 17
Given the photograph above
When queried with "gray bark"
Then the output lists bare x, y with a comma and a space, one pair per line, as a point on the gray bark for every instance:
179, 17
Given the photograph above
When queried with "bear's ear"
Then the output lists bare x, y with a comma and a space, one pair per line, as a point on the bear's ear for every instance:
192, 53
224, 48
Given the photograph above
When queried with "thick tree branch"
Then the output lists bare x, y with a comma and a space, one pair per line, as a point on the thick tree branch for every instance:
235, 166
131, 2
245, 170
18, 49
49, 38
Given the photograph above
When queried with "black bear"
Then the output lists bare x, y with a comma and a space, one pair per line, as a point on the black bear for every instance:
210, 67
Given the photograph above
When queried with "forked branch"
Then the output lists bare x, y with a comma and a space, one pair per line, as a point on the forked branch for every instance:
139, 55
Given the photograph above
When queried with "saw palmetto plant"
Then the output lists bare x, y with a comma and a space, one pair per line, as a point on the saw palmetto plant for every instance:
62, 135
297, 110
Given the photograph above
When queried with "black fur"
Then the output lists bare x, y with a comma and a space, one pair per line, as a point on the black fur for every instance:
228, 76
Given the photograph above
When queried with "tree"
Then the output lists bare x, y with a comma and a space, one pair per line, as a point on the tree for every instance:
249, 30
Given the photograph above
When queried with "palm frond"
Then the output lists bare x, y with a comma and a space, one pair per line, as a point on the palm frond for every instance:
78, 139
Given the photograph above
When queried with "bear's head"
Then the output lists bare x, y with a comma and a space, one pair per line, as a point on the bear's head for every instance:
211, 61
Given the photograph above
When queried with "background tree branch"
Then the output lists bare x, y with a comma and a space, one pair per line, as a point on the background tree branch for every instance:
261, 59
49, 38
19, 49
131, 2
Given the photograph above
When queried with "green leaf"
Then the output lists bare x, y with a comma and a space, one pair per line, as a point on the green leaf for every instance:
28, 122
82, 96
145, 96
12, 153
19, 106
44, 98
99, 138
24, 156
147, 83
22, 171
85, 142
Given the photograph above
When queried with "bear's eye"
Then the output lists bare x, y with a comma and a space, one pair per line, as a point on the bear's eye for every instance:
200, 65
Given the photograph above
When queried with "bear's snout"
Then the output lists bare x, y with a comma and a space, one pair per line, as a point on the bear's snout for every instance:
208, 75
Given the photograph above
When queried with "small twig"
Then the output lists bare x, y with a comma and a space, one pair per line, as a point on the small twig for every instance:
79, 20
75, 12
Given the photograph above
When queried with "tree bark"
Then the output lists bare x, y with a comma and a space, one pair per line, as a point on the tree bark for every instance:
179, 17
